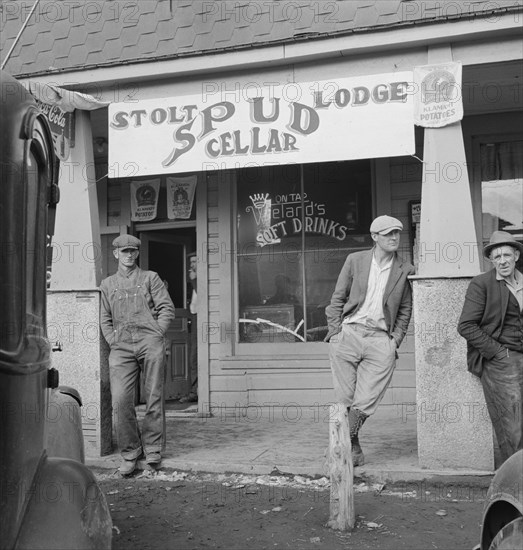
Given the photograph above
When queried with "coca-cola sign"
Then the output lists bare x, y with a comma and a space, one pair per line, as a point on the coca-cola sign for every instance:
62, 127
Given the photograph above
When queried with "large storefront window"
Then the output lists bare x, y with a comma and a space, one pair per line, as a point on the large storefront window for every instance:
502, 188
295, 226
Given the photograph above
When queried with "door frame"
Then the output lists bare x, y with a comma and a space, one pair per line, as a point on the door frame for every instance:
204, 402
181, 309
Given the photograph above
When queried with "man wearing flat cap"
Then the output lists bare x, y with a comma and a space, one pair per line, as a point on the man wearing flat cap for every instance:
492, 324
367, 319
135, 315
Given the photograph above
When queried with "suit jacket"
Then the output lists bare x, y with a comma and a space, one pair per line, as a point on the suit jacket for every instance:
482, 318
351, 289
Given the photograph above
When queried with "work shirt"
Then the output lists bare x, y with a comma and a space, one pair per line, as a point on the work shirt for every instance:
134, 305
192, 305
511, 335
370, 313
516, 288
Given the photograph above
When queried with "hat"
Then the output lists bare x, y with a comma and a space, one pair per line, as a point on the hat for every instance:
501, 238
385, 224
126, 241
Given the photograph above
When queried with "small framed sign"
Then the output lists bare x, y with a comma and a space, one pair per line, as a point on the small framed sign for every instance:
415, 218
415, 212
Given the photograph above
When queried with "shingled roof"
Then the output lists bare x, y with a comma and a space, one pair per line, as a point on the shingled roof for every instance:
77, 34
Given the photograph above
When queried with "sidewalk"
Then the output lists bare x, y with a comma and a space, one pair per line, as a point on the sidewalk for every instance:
262, 443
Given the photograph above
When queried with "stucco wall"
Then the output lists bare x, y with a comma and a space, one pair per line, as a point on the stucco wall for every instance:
73, 320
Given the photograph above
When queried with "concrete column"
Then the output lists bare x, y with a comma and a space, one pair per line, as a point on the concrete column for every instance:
74, 300
454, 429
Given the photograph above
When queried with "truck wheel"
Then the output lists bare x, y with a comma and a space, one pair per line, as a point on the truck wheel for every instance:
510, 537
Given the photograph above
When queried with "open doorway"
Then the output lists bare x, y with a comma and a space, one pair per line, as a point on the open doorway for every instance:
166, 252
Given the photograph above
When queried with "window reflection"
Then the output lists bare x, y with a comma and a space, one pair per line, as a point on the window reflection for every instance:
33, 249
502, 188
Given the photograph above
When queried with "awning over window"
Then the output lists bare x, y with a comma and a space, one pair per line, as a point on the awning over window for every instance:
67, 100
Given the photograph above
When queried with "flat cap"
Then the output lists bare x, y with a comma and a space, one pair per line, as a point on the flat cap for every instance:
126, 241
385, 224
502, 238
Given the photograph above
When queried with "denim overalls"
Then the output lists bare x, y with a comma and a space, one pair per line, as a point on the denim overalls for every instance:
137, 344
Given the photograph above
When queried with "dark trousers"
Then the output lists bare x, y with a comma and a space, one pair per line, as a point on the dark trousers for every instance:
502, 381
193, 355
125, 362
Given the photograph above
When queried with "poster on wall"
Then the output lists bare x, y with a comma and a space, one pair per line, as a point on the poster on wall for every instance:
144, 200
350, 118
180, 197
438, 98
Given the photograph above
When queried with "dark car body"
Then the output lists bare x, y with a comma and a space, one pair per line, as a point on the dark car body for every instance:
502, 525
48, 497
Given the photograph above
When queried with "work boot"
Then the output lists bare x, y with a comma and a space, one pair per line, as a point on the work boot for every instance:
358, 458
127, 467
356, 420
153, 458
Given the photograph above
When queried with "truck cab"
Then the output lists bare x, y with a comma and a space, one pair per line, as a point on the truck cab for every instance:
48, 497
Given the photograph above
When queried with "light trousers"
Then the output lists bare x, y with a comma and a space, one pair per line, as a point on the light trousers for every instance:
362, 362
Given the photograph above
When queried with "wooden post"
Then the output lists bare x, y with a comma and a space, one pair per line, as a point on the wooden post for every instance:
342, 515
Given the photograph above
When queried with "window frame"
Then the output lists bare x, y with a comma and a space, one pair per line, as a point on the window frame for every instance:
476, 181
39, 147
250, 351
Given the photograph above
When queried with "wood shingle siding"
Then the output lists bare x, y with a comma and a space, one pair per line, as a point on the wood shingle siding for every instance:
68, 36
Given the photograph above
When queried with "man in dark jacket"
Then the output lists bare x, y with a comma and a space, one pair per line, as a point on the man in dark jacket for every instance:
367, 319
135, 315
492, 324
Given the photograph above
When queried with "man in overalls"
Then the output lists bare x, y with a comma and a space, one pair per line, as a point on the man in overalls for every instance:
135, 315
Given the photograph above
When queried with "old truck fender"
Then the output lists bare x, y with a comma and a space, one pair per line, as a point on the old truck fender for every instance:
64, 424
63, 491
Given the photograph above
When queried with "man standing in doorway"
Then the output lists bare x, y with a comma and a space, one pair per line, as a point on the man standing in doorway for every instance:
367, 319
492, 324
192, 396
135, 315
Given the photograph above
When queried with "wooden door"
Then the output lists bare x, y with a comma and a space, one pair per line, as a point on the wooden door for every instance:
166, 253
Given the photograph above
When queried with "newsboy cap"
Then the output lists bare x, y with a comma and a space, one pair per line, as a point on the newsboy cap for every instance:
501, 238
126, 241
385, 224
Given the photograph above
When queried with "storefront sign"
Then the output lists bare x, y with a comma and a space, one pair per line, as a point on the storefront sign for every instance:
62, 124
144, 200
438, 99
342, 119
180, 197
288, 215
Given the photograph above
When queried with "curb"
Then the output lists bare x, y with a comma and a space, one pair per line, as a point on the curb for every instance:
368, 474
